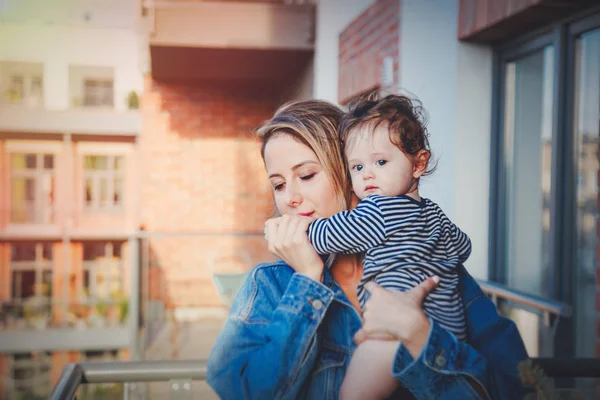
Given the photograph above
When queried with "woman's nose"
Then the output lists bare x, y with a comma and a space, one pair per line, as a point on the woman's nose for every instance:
294, 197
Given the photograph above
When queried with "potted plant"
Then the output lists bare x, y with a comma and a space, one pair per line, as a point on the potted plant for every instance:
533, 376
133, 100
35, 319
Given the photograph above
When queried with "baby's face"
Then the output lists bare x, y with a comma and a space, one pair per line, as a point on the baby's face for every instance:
378, 166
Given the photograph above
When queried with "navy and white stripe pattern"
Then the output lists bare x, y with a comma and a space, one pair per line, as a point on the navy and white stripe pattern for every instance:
405, 241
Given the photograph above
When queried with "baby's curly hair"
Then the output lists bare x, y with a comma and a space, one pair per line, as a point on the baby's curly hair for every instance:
405, 119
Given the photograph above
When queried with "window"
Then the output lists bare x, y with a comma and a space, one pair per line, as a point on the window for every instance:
31, 285
22, 89
544, 211
102, 270
527, 168
31, 375
16, 89
103, 182
97, 93
32, 184
586, 132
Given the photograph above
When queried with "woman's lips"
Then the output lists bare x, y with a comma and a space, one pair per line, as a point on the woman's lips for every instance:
307, 214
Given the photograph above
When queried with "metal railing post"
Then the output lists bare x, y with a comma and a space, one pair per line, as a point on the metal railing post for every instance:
67, 384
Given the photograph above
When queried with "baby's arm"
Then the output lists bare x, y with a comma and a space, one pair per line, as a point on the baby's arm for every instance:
369, 374
349, 232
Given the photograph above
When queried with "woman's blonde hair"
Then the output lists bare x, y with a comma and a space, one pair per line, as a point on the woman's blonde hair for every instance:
314, 123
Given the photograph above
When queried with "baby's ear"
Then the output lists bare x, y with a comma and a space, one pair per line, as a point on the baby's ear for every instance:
421, 161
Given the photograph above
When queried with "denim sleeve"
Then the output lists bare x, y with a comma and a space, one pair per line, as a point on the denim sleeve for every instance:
490, 358
261, 353
441, 369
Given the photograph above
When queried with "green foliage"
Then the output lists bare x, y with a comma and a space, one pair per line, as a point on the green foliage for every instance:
533, 376
133, 100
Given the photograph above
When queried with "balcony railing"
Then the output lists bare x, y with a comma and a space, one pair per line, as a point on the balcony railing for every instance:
92, 324
546, 307
181, 374
41, 313
536, 317
85, 121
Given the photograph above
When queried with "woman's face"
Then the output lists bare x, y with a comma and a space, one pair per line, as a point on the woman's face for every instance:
300, 184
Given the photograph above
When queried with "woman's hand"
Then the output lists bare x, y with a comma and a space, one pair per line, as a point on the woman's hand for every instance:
288, 240
395, 315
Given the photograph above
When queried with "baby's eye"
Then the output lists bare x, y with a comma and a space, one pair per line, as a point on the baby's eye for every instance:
357, 167
381, 163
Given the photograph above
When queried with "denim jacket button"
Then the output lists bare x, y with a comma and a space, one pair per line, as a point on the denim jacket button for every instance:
317, 304
440, 361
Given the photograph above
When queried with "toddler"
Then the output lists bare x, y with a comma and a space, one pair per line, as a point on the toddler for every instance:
405, 238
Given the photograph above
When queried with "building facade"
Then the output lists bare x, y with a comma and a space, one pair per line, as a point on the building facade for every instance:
70, 80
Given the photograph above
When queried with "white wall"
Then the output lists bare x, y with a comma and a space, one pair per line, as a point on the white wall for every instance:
332, 18
62, 38
120, 14
453, 80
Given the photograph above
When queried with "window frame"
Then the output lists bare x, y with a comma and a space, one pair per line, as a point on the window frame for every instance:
40, 149
113, 150
562, 35
93, 267
97, 93
36, 363
110, 175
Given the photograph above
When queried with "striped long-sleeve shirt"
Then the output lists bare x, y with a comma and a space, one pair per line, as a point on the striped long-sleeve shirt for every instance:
404, 241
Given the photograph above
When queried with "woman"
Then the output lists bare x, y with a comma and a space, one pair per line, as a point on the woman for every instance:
294, 324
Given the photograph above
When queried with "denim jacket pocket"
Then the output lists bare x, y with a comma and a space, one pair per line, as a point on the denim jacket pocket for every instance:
330, 358
328, 373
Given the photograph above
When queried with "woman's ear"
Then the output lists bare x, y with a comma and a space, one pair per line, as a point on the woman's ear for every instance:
421, 161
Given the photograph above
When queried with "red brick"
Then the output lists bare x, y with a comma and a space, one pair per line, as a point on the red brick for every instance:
363, 45
202, 172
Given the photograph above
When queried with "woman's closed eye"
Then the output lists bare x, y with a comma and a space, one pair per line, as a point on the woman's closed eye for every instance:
308, 177
278, 186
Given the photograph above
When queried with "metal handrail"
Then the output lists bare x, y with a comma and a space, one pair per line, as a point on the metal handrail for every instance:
569, 367
156, 371
545, 306
123, 372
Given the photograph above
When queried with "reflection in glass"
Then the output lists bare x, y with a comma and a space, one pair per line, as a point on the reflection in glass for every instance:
586, 115
528, 166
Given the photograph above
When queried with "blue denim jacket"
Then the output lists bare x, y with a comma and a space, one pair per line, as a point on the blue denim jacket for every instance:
290, 337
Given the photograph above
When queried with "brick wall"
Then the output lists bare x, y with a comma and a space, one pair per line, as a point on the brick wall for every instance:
201, 172
364, 44
492, 21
